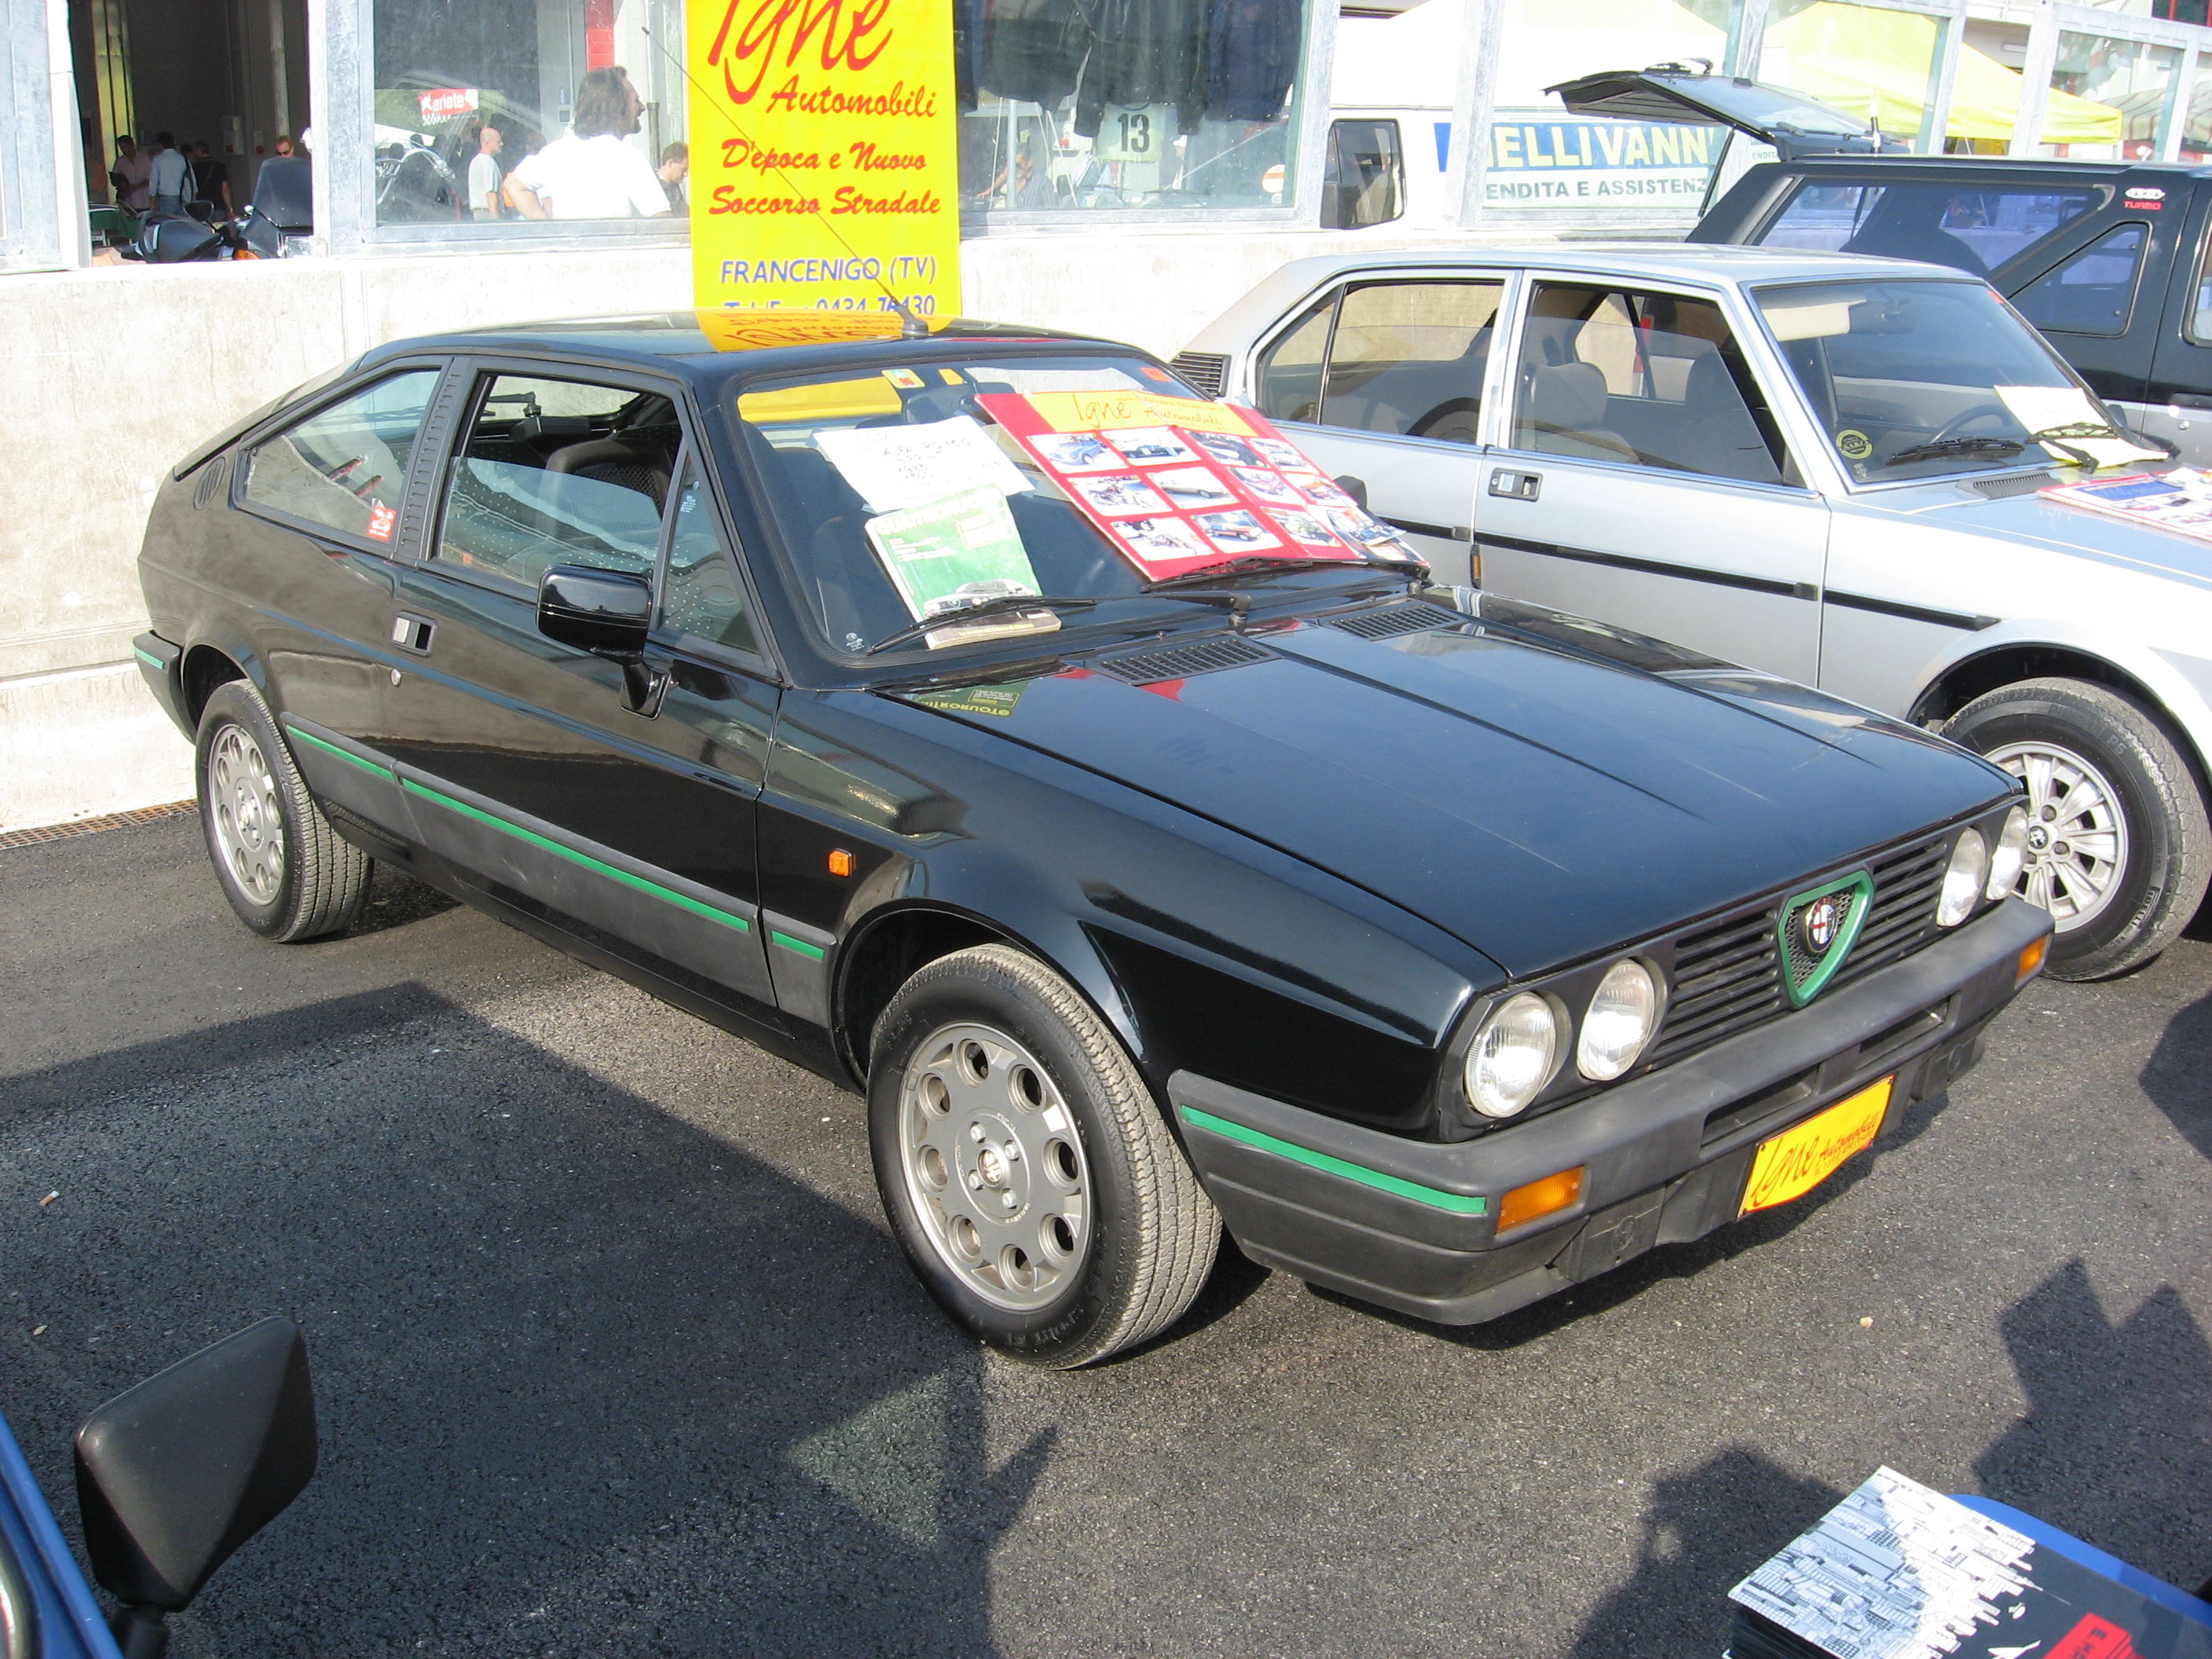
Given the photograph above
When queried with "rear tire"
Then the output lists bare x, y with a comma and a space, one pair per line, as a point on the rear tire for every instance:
1025, 1167
287, 873
2119, 850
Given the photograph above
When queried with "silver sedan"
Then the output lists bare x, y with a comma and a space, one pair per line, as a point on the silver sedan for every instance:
1823, 467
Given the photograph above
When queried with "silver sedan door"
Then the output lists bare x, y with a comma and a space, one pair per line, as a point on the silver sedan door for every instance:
1381, 380
1644, 481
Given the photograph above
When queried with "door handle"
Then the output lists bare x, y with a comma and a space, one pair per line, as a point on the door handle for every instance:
413, 633
2190, 400
1515, 486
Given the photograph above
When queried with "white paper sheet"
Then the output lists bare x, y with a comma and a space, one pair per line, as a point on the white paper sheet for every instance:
2041, 408
895, 467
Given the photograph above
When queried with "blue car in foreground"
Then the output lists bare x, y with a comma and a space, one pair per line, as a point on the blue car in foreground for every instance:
172, 1477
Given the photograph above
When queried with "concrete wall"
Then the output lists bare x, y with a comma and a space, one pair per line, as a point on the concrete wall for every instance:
111, 374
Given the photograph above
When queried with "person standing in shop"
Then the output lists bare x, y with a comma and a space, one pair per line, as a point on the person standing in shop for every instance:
484, 177
210, 181
283, 143
129, 174
592, 173
675, 168
168, 178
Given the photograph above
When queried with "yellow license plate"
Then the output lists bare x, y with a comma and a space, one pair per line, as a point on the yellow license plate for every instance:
1797, 1160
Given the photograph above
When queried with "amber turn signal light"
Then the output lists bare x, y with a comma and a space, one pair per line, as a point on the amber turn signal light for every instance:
2032, 958
841, 862
1540, 1198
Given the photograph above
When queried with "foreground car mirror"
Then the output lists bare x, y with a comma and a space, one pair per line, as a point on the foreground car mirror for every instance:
608, 613
175, 1474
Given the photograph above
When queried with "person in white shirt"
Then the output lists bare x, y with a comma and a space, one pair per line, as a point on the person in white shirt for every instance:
592, 173
484, 176
129, 175
166, 178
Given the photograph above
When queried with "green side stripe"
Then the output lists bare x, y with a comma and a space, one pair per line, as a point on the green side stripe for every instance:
668, 894
1457, 1203
384, 772
797, 944
149, 658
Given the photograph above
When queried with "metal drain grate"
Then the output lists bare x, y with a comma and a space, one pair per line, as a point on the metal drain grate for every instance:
1394, 620
1181, 662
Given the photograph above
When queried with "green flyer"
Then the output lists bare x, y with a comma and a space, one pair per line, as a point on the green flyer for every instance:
958, 551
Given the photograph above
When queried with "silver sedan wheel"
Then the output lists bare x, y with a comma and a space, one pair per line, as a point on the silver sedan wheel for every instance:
994, 1167
2077, 834
249, 826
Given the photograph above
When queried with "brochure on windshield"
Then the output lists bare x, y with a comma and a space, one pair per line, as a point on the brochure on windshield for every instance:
960, 551
2179, 500
2070, 427
1177, 484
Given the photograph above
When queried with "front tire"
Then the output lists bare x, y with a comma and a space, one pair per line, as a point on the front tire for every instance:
287, 873
2119, 850
1025, 1167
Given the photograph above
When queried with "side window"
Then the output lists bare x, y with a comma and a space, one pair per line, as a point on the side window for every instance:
346, 468
2092, 291
1365, 180
1974, 230
1651, 379
1408, 358
1289, 370
559, 472
701, 595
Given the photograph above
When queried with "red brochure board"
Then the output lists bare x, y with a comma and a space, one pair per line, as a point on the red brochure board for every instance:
1177, 484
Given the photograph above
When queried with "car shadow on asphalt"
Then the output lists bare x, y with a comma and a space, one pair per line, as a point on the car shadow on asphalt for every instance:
590, 1380
2178, 1076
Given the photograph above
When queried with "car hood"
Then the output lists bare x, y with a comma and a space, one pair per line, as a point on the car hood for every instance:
2039, 519
1542, 788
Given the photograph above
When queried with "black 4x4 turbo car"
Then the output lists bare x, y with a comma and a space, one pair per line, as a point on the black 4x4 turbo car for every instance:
1449, 950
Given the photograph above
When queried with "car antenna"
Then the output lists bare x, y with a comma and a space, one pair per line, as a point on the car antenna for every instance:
911, 327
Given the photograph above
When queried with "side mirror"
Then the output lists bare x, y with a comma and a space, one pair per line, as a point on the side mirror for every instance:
175, 1474
1355, 488
608, 613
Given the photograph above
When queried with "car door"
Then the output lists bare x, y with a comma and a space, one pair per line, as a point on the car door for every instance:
1644, 480
2178, 402
1381, 380
321, 509
525, 764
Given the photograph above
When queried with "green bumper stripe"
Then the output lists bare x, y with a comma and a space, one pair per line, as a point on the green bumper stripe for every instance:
384, 772
797, 944
667, 894
150, 659
1457, 1203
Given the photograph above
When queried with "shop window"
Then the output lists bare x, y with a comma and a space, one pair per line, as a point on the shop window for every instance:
2107, 98
1974, 230
1651, 379
701, 595
559, 472
2091, 291
1408, 358
563, 110
1366, 180
345, 467
1878, 64
1076, 106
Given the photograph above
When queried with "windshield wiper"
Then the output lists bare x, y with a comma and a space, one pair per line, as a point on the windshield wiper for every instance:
1995, 447
1253, 564
999, 606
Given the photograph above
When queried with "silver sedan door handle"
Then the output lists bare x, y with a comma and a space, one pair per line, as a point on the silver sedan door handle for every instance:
1515, 486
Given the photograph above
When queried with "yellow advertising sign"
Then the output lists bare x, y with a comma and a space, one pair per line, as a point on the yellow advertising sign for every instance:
1119, 411
824, 154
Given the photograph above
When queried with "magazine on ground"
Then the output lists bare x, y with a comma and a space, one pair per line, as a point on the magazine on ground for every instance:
1897, 1571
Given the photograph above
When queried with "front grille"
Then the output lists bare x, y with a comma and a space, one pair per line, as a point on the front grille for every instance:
1181, 662
1393, 620
1205, 370
1727, 979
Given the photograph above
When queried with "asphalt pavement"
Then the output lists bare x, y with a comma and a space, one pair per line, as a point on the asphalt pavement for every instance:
615, 1355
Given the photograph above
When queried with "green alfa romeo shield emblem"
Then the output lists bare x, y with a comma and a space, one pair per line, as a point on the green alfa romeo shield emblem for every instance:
1815, 931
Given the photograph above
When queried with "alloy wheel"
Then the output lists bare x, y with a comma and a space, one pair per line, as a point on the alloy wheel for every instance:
2077, 834
994, 1166
249, 826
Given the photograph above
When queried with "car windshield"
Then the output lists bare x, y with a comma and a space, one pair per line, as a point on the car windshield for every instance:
899, 499
1926, 379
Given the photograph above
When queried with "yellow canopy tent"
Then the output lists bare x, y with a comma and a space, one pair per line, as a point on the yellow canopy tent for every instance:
1876, 63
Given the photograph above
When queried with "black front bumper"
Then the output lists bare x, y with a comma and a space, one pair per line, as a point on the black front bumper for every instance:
1412, 1224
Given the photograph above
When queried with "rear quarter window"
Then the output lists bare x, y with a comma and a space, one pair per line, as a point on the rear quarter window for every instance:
1966, 225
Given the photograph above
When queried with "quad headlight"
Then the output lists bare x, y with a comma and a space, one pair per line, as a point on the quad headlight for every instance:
1963, 881
1622, 1013
1513, 1055
2011, 855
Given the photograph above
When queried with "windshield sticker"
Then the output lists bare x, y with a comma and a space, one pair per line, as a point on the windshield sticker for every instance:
895, 467
2069, 426
998, 701
961, 550
1854, 444
905, 378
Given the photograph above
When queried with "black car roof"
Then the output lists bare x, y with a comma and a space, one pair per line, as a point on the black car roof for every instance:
1994, 166
754, 342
